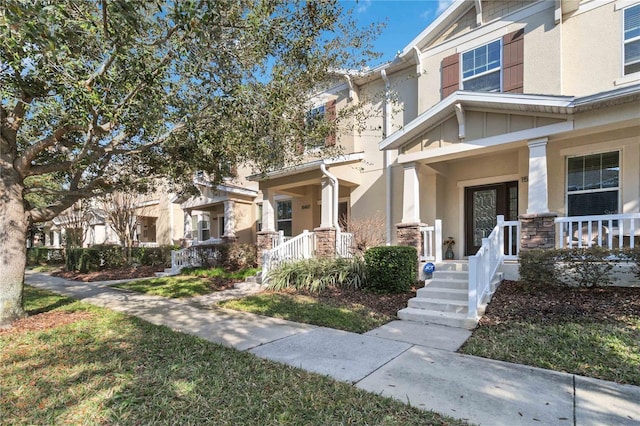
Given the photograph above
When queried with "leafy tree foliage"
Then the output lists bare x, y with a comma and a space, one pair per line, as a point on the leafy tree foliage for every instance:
100, 96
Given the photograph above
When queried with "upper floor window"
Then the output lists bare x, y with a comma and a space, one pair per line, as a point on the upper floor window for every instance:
313, 119
593, 184
481, 68
632, 40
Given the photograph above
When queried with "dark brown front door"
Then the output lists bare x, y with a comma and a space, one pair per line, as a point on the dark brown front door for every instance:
482, 206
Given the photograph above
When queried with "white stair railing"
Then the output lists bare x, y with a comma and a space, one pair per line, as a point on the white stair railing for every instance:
484, 265
610, 231
297, 248
432, 242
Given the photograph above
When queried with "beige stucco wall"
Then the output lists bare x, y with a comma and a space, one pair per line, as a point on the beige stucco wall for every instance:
592, 50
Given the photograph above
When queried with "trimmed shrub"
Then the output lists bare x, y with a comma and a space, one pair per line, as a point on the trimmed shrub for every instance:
153, 256
316, 274
391, 269
576, 267
239, 256
45, 256
537, 266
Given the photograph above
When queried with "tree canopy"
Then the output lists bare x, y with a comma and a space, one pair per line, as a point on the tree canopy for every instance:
105, 95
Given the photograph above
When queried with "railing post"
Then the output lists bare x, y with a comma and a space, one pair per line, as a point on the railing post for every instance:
305, 245
500, 223
472, 310
173, 261
438, 238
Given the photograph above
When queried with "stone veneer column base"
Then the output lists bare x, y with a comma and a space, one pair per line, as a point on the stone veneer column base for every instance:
537, 230
265, 242
325, 242
408, 234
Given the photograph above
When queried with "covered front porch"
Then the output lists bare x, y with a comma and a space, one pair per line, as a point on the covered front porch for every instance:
305, 209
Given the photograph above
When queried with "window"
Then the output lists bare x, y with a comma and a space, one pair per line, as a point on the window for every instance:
481, 68
593, 184
313, 120
632, 40
284, 213
221, 224
205, 232
259, 221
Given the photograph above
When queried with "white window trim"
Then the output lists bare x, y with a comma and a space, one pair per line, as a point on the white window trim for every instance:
499, 69
202, 219
626, 78
590, 191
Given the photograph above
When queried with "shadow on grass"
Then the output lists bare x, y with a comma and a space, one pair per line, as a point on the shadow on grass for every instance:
116, 369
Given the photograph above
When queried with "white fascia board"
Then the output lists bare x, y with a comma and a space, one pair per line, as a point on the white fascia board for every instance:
237, 190
435, 25
464, 147
305, 167
608, 96
417, 125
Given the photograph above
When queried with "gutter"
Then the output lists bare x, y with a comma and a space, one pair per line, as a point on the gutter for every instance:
387, 156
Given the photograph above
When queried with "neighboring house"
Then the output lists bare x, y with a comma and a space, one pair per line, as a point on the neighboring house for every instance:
159, 221
224, 212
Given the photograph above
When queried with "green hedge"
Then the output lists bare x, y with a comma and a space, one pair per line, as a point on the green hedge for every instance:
581, 267
391, 269
230, 256
111, 256
44, 256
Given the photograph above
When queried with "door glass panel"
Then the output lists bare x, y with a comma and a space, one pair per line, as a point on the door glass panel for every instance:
484, 214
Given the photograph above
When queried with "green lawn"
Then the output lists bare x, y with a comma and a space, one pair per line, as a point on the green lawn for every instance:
195, 282
109, 368
307, 310
604, 350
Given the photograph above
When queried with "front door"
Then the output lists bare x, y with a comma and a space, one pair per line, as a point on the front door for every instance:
482, 206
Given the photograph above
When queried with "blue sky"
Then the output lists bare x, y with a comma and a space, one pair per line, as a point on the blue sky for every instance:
405, 19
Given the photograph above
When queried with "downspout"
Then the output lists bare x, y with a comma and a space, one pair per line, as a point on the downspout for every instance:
387, 155
334, 183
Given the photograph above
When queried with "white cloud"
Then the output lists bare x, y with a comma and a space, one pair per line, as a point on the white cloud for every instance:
442, 5
363, 5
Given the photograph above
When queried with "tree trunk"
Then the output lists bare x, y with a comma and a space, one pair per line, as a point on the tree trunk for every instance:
13, 250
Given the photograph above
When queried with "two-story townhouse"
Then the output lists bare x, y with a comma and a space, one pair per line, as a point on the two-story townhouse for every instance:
527, 109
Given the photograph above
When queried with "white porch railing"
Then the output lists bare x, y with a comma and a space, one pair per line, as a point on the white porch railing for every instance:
148, 244
511, 234
484, 265
296, 248
610, 231
344, 244
192, 256
281, 239
432, 242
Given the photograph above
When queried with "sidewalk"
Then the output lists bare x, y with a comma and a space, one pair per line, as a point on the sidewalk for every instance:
414, 363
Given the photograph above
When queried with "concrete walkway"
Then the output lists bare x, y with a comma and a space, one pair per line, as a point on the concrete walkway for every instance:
414, 363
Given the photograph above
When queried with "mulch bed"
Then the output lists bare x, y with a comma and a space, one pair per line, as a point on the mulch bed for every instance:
385, 304
122, 273
44, 321
516, 301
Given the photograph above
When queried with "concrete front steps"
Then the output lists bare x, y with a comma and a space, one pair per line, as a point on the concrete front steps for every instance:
444, 298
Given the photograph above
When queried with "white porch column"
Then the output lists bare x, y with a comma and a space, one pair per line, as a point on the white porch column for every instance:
56, 238
538, 177
229, 219
411, 194
188, 225
326, 214
268, 216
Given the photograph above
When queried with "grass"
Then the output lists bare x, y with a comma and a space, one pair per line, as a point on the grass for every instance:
305, 309
194, 282
109, 368
607, 350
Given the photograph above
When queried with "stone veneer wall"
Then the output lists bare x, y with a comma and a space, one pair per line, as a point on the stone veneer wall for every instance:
265, 242
537, 231
325, 242
408, 234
